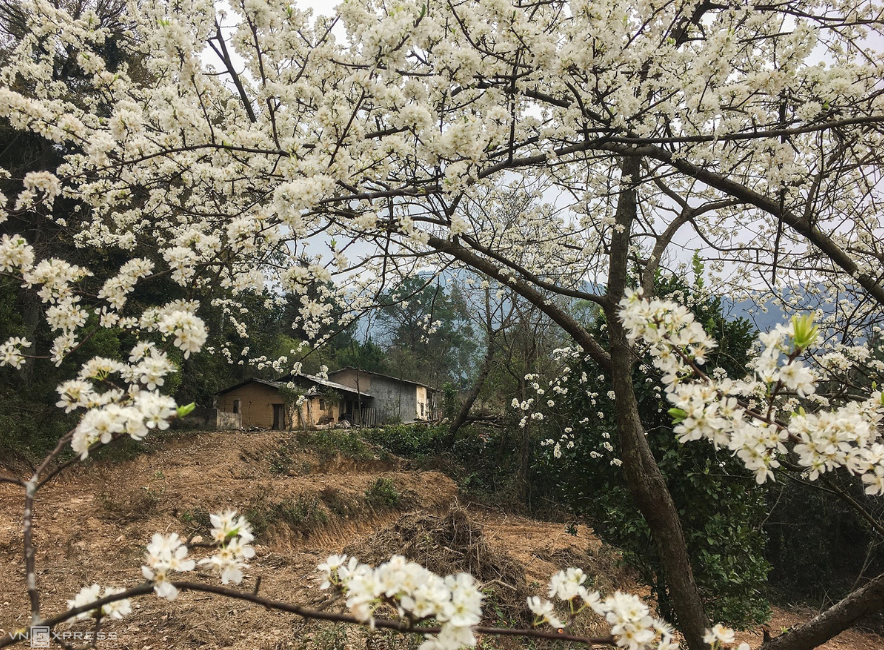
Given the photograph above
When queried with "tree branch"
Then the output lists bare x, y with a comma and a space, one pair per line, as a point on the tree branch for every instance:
382, 623
558, 315
841, 616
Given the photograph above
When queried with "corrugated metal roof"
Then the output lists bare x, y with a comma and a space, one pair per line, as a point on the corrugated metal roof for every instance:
379, 374
279, 383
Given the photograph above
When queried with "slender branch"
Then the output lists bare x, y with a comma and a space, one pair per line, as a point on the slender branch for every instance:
30, 566
564, 320
531, 277
386, 624
224, 55
855, 606
865, 514
11, 479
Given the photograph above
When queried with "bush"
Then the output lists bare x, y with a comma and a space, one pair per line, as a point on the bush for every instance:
302, 514
820, 547
383, 494
331, 443
409, 440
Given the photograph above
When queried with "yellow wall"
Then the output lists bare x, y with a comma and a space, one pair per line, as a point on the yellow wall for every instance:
256, 405
312, 414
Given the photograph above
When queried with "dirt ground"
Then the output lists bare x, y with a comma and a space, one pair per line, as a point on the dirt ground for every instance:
91, 525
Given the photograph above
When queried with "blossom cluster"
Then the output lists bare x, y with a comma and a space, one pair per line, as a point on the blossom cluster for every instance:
416, 594
116, 609
135, 411
232, 534
412, 591
167, 554
118, 398
748, 416
632, 626
146, 410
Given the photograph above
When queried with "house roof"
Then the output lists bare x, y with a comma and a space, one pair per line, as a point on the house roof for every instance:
378, 374
282, 381
322, 382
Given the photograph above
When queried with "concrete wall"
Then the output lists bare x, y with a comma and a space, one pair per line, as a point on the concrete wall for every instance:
394, 400
352, 379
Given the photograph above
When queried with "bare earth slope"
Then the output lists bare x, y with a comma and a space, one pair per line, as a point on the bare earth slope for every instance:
91, 525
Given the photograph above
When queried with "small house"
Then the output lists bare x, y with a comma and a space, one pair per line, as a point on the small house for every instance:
275, 404
393, 399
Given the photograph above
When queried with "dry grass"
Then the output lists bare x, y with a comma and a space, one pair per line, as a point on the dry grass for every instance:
92, 524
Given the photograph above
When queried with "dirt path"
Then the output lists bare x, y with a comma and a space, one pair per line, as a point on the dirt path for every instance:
92, 524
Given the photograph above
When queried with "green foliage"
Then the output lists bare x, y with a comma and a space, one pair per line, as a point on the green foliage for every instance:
427, 331
382, 493
30, 423
328, 444
408, 440
450, 400
331, 443
818, 545
365, 355
720, 507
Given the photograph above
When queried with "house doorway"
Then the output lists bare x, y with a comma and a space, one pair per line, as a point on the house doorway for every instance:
279, 416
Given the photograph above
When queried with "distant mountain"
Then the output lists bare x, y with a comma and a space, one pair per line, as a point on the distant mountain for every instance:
763, 319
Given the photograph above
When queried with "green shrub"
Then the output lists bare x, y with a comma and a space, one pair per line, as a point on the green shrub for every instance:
331, 443
301, 514
409, 440
383, 494
340, 505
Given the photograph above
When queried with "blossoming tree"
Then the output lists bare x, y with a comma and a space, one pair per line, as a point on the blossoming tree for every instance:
256, 137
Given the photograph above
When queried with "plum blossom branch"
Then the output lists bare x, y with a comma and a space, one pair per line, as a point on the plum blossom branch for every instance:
720, 409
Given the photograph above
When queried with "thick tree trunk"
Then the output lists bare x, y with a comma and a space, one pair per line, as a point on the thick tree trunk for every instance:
648, 488
476, 388
643, 477
841, 616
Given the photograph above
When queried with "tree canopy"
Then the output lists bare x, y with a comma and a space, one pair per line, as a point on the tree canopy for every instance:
250, 147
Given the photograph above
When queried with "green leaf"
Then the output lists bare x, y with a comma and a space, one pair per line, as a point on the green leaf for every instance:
804, 331
184, 410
